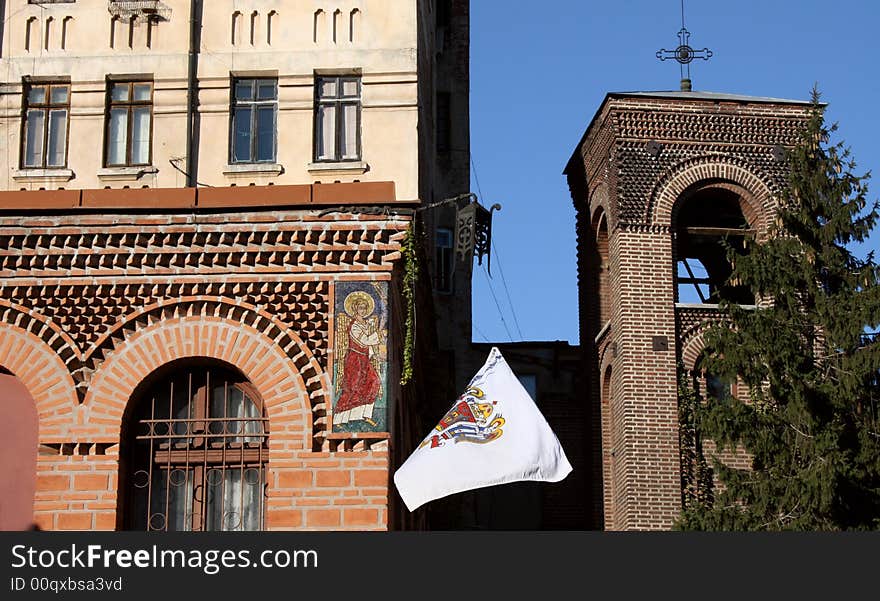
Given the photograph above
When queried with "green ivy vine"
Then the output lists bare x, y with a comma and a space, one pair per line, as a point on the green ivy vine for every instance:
410, 277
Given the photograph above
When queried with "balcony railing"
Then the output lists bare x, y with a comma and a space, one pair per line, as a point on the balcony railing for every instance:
126, 10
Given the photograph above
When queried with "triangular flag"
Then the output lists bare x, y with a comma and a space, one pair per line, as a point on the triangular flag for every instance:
493, 434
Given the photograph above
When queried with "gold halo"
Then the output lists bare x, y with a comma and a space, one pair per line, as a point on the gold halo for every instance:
356, 297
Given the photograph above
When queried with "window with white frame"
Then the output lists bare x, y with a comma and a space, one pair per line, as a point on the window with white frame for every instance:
129, 129
337, 118
253, 122
44, 136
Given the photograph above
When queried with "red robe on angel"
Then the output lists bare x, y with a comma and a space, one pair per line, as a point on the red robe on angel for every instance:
360, 385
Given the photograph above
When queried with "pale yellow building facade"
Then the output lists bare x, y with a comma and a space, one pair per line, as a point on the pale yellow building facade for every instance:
225, 175
88, 50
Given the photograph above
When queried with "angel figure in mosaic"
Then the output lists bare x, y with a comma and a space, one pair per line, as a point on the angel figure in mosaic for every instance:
358, 344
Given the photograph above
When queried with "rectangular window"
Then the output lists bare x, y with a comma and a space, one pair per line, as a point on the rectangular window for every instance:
338, 118
129, 130
445, 267
254, 114
44, 136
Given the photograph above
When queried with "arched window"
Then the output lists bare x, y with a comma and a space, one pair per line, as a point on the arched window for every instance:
602, 269
235, 31
319, 25
710, 385
195, 447
609, 449
704, 219
337, 25
49, 23
66, 25
255, 23
114, 25
354, 20
271, 19
30, 32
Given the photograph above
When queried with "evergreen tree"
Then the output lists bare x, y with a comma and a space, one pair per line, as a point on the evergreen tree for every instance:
812, 421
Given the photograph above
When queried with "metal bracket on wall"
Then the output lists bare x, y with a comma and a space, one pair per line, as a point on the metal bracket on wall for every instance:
659, 343
473, 234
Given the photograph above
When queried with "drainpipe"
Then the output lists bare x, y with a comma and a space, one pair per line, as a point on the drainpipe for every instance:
193, 119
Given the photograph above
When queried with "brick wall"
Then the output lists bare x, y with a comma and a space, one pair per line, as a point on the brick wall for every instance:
617, 171
92, 303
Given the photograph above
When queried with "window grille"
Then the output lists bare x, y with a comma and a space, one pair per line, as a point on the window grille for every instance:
198, 449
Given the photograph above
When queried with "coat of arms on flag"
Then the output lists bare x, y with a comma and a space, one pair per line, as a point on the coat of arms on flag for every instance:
470, 420
492, 434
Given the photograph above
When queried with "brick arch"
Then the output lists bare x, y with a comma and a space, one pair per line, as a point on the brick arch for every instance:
599, 202
39, 368
605, 353
718, 168
693, 345
693, 341
275, 375
608, 377
316, 380
609, 446
61, 343
599, 271
598, 214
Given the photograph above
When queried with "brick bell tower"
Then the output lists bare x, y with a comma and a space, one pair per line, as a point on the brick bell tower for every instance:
658, 179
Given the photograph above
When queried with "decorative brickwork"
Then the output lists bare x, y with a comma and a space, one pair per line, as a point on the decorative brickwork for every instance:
642, 155
711, 168
93, 304
91, 320
692, 322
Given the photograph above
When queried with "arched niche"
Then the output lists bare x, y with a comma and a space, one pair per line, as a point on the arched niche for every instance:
18, 461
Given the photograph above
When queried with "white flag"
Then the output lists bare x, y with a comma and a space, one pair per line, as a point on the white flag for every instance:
493, 434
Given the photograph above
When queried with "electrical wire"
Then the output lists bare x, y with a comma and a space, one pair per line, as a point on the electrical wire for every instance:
173, 163
506, 290
501, 270
497, 304
476, 178
480, 332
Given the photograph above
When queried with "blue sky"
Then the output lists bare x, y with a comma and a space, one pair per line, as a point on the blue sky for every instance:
540, 71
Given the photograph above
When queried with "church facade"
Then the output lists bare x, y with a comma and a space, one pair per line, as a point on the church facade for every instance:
203, 216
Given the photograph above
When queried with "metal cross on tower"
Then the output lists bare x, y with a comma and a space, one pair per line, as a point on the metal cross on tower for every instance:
684, 54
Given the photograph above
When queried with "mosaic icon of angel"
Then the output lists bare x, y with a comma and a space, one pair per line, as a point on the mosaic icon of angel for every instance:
360, 351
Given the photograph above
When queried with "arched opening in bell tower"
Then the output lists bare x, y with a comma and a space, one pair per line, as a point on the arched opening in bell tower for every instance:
710, 220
